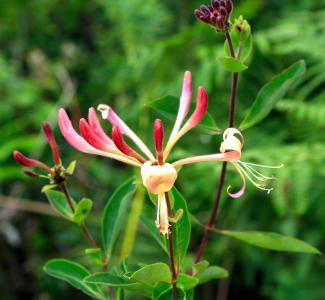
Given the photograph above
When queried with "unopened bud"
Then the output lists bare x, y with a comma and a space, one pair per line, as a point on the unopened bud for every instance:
242, 29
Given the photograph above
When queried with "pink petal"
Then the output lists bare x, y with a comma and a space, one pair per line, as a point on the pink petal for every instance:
96, 128
242, 189
76, 141
115, 120
184, 103
200, 109
71, 136
52, 142
230, 156
29, 162
123, 146
91, 137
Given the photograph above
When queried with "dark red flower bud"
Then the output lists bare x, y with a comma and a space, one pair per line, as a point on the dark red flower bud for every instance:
52, 142
159, 140
29, 162
215, 4
229, 7
123, 146
223, 12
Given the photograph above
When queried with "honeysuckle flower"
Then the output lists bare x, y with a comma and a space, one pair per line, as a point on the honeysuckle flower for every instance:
231, 149
158, 176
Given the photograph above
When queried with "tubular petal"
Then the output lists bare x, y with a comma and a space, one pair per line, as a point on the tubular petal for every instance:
123, 146
228, 156
159, 140
29, 162
76, 141
184, 103
92, 138
242, 189
196, 117
115, 120
52, 142
96, 128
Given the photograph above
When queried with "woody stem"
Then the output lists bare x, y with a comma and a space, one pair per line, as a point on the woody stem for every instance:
231, 123
171, 249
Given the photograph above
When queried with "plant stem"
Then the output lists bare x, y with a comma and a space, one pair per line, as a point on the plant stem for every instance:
83, 227
171, 249
231, 123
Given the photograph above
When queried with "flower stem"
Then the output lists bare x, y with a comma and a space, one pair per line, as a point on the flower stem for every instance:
83, 226
171, 250
85, 231
231, 123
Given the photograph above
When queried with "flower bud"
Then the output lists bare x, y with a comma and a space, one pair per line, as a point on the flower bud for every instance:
29, 162
159, 139
52, 142
242, 29
158, 179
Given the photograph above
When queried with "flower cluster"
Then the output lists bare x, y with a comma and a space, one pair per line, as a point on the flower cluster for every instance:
158, 176
217, 14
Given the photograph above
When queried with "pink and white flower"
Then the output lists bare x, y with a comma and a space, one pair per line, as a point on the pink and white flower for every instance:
158, 176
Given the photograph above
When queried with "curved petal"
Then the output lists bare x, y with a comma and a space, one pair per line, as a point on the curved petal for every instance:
228, 156
196, 117
96, 128
115, 120
184, 103
76, 141
242, 189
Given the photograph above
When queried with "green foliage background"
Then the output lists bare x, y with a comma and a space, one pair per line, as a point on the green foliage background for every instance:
77, 54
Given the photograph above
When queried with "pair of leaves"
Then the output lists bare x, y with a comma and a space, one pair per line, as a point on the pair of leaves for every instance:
60, 204
265, 101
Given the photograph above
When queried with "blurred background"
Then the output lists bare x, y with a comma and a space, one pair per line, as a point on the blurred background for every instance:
77, 54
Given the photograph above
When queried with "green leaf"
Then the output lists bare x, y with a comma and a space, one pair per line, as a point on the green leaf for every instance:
186, 282
60, 204
181, 229
212, 272
168, 295
154, 231
95, 254
115, 212
159, 289
83, 208
71, 167
271, 93
271, 241
168, 107
151, 274
74, 274
109, 279
232, 65
200, 267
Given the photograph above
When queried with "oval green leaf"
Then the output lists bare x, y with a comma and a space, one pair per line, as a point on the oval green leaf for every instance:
212, 272
115, 212
152, 274
83, 208
271, 241
186, 282
271, 93
60, 204
74, 274
232, 65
